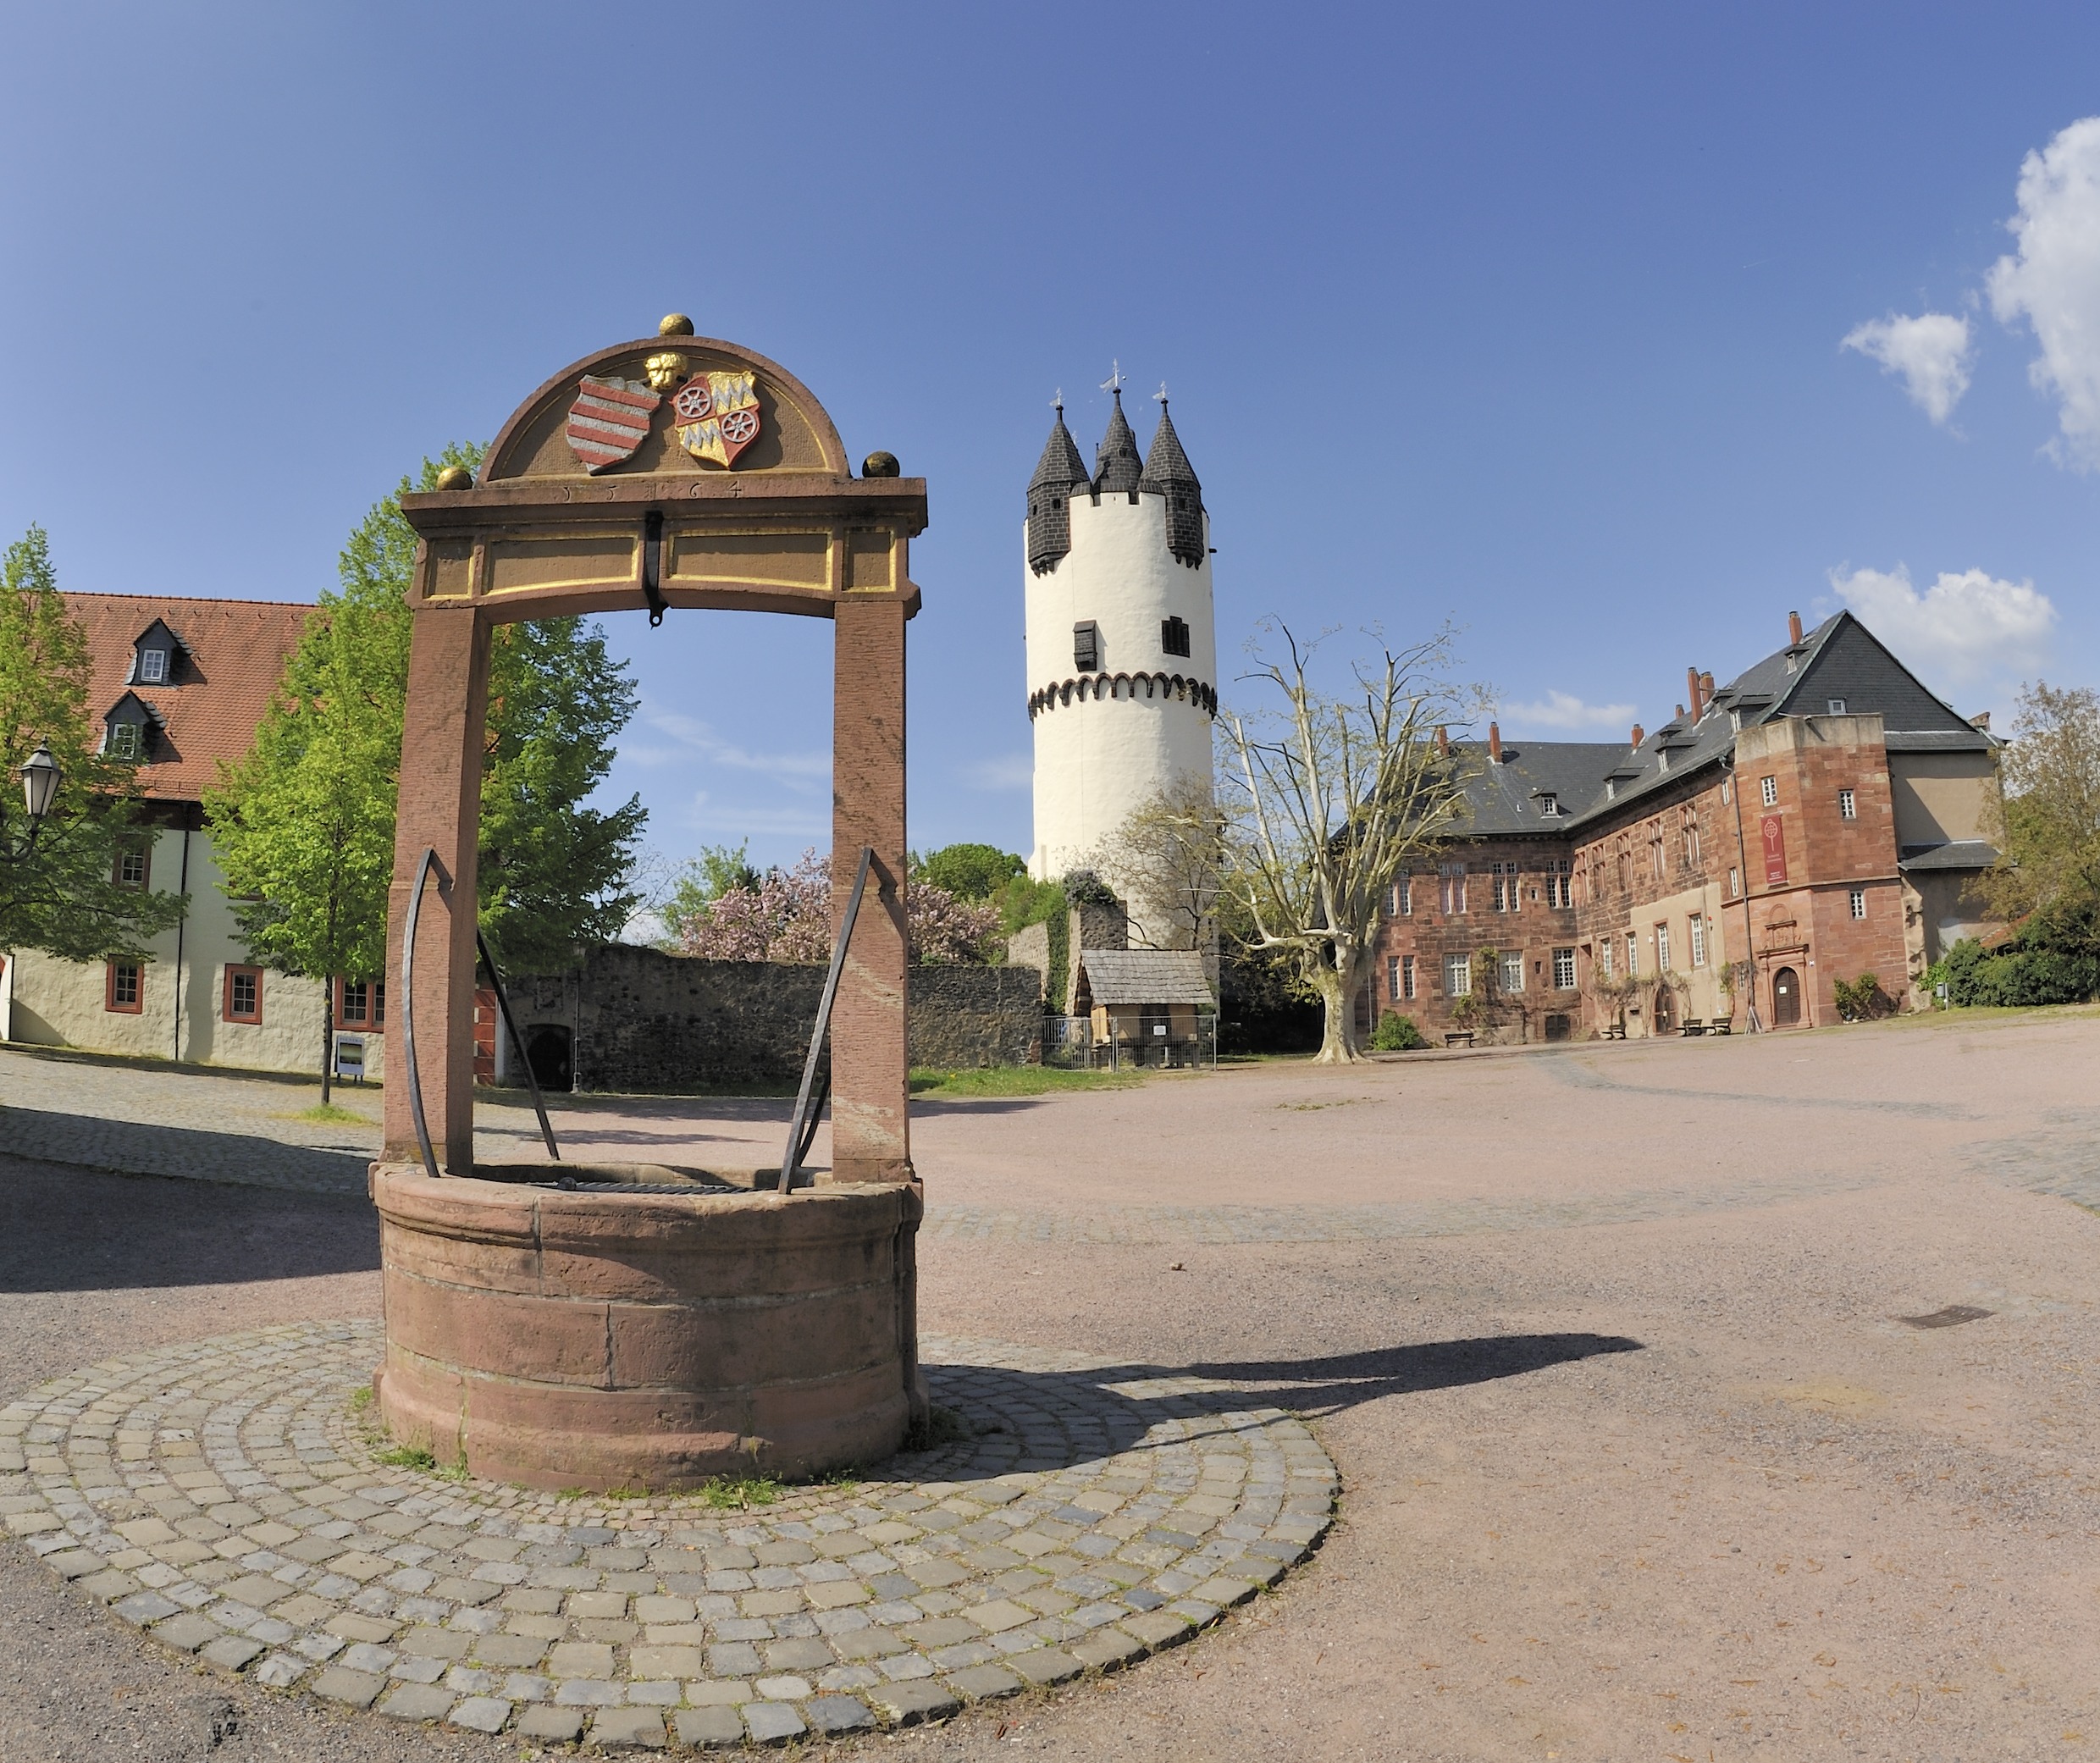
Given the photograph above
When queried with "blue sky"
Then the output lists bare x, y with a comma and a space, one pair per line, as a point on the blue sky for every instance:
1530, 316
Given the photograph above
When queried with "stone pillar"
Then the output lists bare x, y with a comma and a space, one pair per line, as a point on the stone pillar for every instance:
870, 1129
442, 734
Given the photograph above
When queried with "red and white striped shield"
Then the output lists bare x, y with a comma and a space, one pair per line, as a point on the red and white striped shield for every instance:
608, 420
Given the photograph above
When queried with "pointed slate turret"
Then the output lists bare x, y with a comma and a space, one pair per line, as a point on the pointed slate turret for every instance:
1058, 472
1168, 475
1117, 466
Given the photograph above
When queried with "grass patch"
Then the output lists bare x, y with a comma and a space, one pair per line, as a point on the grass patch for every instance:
993, 1080
407, 1456
625, 1494
361, 1398
738, 1493
326, 1113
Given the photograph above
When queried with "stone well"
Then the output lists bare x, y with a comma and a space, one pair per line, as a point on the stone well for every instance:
562, 1339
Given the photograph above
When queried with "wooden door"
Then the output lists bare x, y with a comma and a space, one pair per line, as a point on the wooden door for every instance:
1785, 999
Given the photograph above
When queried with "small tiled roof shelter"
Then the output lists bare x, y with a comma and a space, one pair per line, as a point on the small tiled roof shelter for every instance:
1147, 1000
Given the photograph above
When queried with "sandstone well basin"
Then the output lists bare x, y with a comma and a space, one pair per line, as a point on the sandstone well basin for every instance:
604, 1339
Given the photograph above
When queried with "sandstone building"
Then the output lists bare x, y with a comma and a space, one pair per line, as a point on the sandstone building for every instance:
1822, 816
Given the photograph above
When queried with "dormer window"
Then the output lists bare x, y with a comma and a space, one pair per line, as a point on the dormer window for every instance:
124, 740
127, 729
154, 655
1837, 706
1548, 805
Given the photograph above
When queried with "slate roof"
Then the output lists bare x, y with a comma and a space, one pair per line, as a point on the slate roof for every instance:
1117, 467
1169, 474
1049, 496
1145, 976
1959, 853
1839, 659
233, 653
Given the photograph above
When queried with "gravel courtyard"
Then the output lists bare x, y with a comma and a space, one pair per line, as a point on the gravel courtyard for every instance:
1827, 1493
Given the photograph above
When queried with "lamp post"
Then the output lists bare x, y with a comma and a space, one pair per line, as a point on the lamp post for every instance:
41, 778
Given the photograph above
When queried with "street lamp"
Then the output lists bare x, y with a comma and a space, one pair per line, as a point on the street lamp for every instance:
40, 784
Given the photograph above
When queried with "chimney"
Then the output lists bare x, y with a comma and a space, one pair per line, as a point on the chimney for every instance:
1495, 743
1680, 715
1691, 691
1793, 628
1640, 734
1443, 741
1705, 690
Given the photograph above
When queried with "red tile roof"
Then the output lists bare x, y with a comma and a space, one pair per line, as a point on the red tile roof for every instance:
209, 711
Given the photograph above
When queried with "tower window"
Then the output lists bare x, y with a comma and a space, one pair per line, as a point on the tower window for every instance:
1086, 646
1174, 636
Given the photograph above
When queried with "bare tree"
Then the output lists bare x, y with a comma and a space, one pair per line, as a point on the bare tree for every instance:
1163, 861
1328, 800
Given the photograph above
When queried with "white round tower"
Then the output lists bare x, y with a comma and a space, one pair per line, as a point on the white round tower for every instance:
1121, 645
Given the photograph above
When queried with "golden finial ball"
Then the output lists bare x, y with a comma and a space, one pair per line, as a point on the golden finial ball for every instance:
455, 477
880, 464
677, 325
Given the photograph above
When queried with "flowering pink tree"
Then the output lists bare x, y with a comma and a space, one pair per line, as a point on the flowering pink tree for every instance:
788, 917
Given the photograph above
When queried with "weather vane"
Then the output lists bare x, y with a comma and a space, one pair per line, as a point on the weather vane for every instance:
1114, 382
1057, 403
1159, 397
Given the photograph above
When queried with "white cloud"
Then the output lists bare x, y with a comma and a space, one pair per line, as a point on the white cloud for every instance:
1930, 352
2052, 281
1563, 709
693, 738
1964, 626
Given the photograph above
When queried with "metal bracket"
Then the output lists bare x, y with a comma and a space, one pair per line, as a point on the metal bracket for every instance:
802, 1130
408, 1010
653, 566
517, 1041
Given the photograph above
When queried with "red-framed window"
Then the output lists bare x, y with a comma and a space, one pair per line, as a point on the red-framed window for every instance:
361, 1004
125, 987
244, 994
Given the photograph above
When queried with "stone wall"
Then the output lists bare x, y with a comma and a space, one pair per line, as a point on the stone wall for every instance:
646, 1022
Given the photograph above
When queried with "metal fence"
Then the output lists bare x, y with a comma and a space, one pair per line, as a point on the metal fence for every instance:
1069, 1042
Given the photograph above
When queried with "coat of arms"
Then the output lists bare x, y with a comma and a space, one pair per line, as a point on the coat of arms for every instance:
608, 420
717, 415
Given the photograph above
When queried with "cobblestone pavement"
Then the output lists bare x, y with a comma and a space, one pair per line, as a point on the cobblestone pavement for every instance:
225, 1497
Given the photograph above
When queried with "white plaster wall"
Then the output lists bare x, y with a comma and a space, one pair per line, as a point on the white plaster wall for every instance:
1095, 762
63, 1003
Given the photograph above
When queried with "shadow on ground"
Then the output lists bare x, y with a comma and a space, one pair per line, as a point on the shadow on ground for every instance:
1098, 1415
72, 1229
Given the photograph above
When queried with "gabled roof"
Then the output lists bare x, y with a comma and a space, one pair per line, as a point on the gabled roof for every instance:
237, 650
1117, 467
1145, 976
1840, 658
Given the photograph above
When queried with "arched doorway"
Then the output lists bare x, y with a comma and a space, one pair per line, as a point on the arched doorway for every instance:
1665, 1020
552, 1058
1785, 999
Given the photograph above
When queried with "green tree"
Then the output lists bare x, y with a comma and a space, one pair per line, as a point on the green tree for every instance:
303, 826
2048, 872
62, 896
553, 871
700, 882
972, 872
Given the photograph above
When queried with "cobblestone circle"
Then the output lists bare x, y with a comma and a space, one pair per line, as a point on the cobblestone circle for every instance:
228, 1497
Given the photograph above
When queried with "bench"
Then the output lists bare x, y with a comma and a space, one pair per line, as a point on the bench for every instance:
1723, 1026
1615, 1031
1458, 1037
1693, 1025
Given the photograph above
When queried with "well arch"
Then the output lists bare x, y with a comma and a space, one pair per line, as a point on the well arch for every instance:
634, 1361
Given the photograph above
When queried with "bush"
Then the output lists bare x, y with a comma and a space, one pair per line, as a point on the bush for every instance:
1861, 1000
1396, 1033
2017, 977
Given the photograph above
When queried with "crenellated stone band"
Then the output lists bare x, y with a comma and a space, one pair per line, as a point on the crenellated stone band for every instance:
1123, 685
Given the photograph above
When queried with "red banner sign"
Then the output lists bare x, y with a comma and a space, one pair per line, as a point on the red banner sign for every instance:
1774, 831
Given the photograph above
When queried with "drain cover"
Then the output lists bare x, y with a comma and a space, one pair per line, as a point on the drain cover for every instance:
1952, 1316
